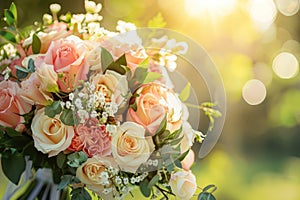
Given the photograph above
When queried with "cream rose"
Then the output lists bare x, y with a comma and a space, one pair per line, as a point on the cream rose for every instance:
130, 147
153, 102
89, 173
48, 78
50, 135
113, 85
183, 184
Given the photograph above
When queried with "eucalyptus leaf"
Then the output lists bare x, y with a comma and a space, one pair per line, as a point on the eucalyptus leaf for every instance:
210, 188
53, 109
64, 182
153, 181
144, 188
206, 196
67, 117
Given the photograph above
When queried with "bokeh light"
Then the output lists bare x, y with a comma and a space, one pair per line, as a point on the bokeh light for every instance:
254, 92
209, 7
285, 65
263, 72
262, 13
288, 7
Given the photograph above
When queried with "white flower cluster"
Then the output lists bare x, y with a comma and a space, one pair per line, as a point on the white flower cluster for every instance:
169, 48
90, 103
8, 53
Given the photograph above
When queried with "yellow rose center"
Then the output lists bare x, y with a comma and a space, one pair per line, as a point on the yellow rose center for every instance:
53, 130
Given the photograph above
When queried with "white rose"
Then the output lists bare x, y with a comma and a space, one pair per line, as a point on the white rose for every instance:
130, 147
188, 137
50, 135
94, 58
183, 184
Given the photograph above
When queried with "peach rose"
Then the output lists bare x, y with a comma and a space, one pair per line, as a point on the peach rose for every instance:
113, 85
68, 56
130, 147
50, 135
183, 184
89, 173
32, 91
153, 102
129, 44
11, 105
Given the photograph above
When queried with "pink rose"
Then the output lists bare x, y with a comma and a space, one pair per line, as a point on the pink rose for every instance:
153, 102
11, 105
68, 56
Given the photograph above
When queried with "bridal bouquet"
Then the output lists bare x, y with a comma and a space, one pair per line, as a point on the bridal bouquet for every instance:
94, 107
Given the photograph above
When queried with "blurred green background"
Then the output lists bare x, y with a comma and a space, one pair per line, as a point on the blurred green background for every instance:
255, 45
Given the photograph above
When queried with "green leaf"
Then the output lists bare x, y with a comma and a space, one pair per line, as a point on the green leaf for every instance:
144, 188
153, 181
53, 109
157, 21
117, 68
9, 17
80, 194
12, 132
210, 188
65, 181
106, 59
140, 74
36, 44
162, 127
185, 93
67, 117
60, 160
21, 72
13, 166
31, 66
8, 36
144, 63
206, 196
76, 159
182, 156
151, 76
13, 10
